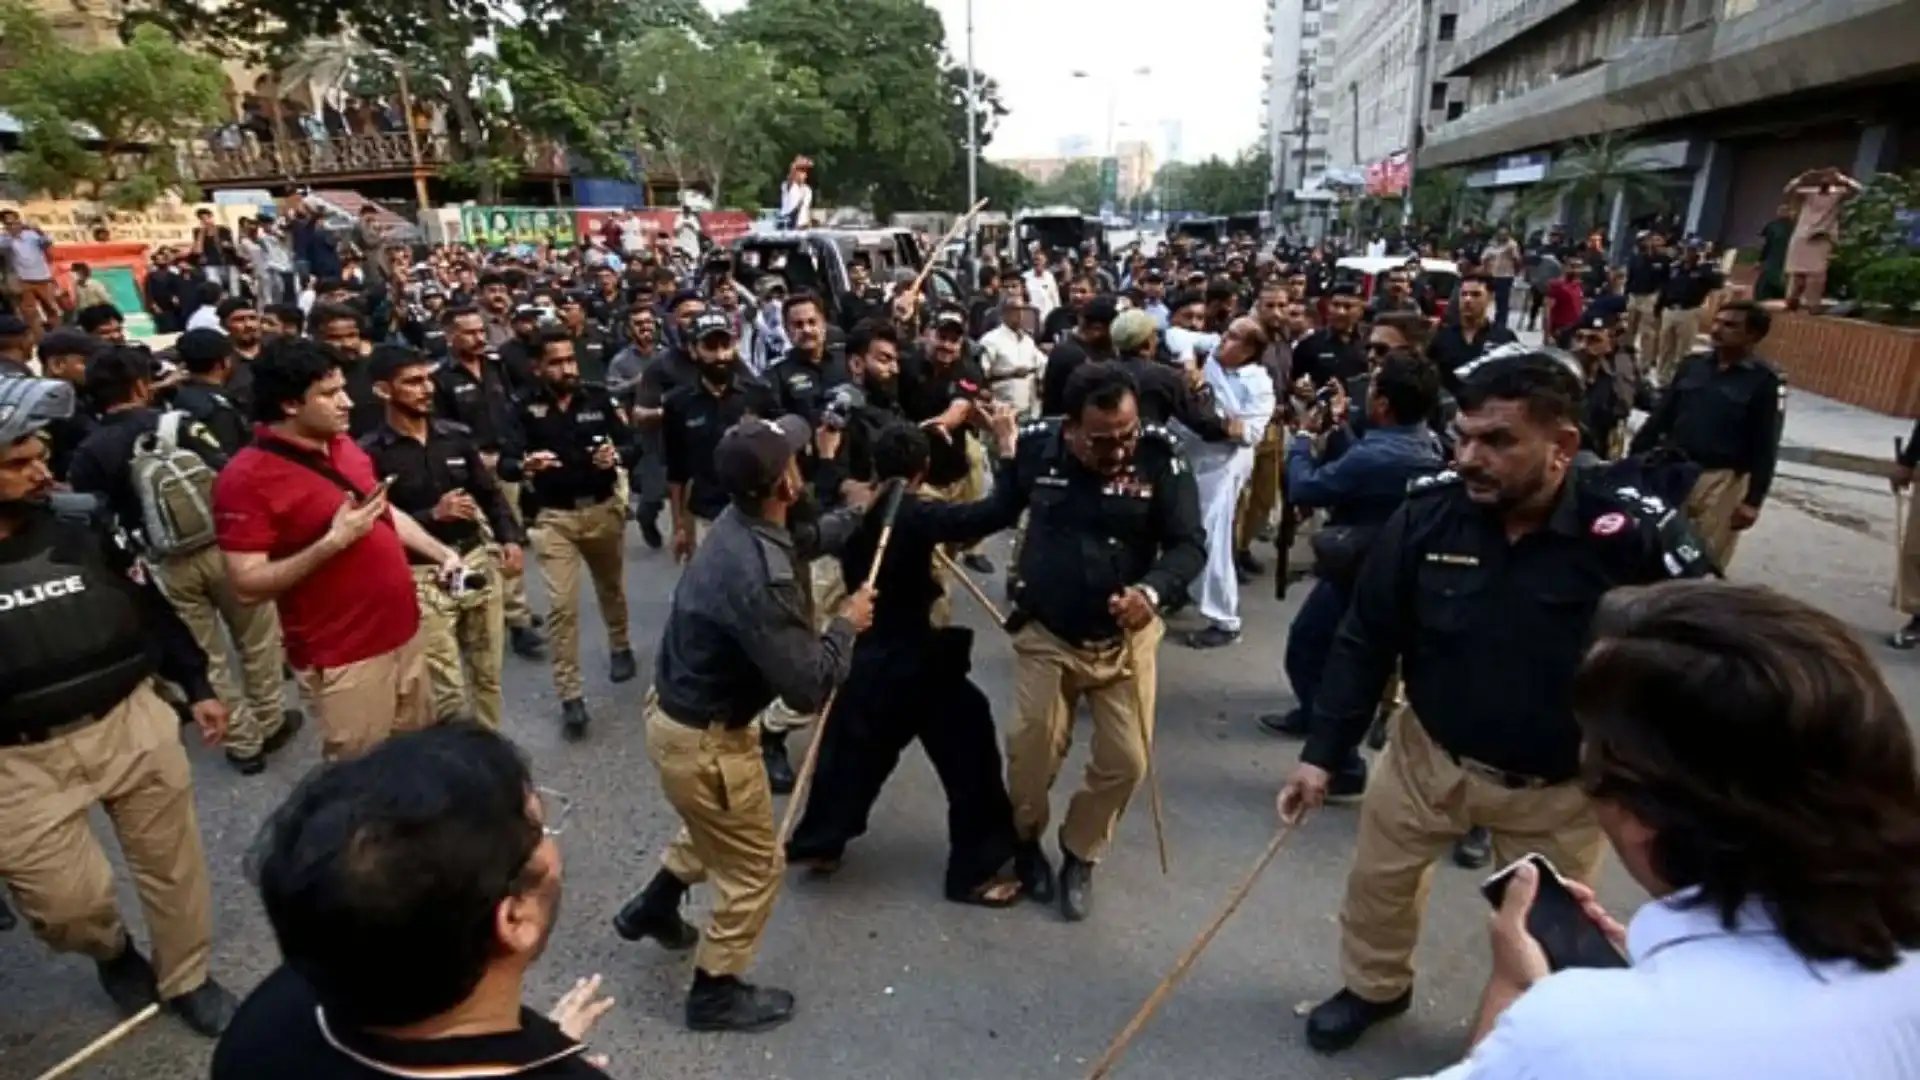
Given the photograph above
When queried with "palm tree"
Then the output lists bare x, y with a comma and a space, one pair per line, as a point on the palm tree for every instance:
1442, 199
1590, 175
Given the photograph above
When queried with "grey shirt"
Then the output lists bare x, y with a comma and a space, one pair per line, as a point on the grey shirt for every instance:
739, 634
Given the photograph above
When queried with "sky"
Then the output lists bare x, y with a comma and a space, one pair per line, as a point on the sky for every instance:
1207, 55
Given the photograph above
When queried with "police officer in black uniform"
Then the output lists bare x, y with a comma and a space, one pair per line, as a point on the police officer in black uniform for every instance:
63, 355
695, 416
1337, 350
1481, 588
593, 347
208, 357
804, 377
80, 646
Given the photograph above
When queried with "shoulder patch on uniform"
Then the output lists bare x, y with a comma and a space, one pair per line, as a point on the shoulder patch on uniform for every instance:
451, 427
1421, 485
1641, 504
1039, 428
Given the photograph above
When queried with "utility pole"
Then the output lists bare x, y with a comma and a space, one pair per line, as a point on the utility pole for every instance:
973, 153
1303, 91
1422, 64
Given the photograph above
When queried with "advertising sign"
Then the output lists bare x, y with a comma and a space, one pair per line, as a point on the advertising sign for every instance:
504, 226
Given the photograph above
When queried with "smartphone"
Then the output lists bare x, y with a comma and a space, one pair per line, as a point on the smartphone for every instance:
1564, 932
379, 489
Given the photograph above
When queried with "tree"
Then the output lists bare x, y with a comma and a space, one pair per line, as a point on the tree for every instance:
1588, 177
882, 71
1216, 185
102, 124
1442, 201
1077, 185
1004, 189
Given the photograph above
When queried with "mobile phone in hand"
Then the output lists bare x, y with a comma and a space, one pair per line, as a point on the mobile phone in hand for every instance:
1565, 934
379, 490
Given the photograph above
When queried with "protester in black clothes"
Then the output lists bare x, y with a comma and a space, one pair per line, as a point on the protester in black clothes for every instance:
1469, 330
1091, 341
340, 329
903, 655
64, 354
410, 889
1062, 320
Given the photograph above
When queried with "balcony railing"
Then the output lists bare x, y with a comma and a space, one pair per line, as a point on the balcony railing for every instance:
299, 157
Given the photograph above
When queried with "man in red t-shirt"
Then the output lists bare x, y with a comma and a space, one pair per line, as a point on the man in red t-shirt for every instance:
1566, 299
303, 521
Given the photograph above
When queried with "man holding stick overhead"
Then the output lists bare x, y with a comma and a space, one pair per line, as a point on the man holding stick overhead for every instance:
738, 636
1114, 531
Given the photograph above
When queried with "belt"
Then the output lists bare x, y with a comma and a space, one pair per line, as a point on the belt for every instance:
1512, 781
703, 725
34, 736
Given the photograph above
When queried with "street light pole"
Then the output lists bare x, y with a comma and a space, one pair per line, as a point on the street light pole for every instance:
973, 144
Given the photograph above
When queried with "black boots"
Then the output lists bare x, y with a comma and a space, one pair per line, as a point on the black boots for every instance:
129, 980
574, 719
655, 913
724, 1003
1076, 886
773, 750
1035, 873
207, 1008
291, 721
1339, 1021
526, 642
622, 667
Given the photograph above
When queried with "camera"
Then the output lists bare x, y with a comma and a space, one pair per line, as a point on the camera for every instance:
841, 402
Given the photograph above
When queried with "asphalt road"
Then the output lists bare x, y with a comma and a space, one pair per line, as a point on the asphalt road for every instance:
895, 982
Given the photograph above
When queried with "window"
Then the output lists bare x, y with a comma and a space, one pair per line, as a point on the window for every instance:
1437, 96
1455, 109
1449, 25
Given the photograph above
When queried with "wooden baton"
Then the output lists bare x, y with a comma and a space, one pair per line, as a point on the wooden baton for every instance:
114, 1034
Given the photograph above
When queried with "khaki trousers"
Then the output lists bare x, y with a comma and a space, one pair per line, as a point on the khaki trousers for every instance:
1419, 803
1642, 330
717, 783
361, 704
565, 540
513, 595
131, 763
1050, 678
463, 640
1678, 328
1710, 508
1261, 495
196, 585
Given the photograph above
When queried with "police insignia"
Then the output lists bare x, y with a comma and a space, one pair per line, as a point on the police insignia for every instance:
1609, 524
538, 410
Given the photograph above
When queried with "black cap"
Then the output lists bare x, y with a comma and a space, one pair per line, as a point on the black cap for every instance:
1100, 311
12, 326
712, 324
753, 454
524, 311
1594, 320
67, 341
949, 319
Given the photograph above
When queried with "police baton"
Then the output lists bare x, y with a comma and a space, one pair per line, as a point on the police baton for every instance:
115, 1034
804, 781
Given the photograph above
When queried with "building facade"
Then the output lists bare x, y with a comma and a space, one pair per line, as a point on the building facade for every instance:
1300, 53
1724, 101
1383, 78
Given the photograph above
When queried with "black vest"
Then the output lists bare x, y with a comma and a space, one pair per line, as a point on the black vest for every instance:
72, 639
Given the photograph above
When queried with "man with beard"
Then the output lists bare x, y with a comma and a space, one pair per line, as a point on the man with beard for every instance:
241, 321
568, 454
903, 656
496, 307
442, 480
939, 388
1481, 588
341, 330
1091, 341
693, 419
1261, 497
624, 376
1244, 394
1062, 320
475, 388
410, 890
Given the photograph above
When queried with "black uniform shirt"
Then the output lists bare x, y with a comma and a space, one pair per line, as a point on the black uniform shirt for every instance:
1722, 417
802, 385
1689, 286
1164, 394
368, 410
483, 402
210, 404
281, 1031
103, 465
1325, 354
695, 419
572, 432
593, 350
672, 369
1451, 349
1061, 364
424, 471
927, 390
1090, 536
1648, 274
1487, 631
739, 635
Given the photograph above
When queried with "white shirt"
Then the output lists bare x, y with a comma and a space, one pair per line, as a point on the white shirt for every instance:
1043, 293
29, 254
205, 317
796, 205
1704, 1003
1012, 360
1245, 394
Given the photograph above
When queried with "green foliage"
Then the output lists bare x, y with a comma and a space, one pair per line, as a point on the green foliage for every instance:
1006, 189
1892, 283
1442, 201
1590, 175
1216, 185
1870, 230
102, 124
1077, 185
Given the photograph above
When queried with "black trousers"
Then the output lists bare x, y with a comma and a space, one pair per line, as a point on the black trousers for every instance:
903, 687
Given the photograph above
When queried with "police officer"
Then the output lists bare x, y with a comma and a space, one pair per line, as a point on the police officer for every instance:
803, 378
625, 374
1609, 392
1337, 350
476, 388
593, 348
1481, 588
80, 723
208, 357
193, 577
1687, 290
1648, 271
568, 453
694, 417
63, 355
441, 479
738, 636
1113, 531
1724, 412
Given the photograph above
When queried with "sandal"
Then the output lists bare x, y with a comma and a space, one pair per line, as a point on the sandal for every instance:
994, 893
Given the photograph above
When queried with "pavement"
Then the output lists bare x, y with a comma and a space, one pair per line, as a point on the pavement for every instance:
893, 981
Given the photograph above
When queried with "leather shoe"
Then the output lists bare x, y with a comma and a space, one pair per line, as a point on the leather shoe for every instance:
574, 718
1338, 1022
207, 1008
724, 1003
655, 913
1292, 723
1349, 783
1212, 637
526, 642
129, 980
291, 721
622, 668
1076, 887
1035, 873
773, 751
1474, 850
248, 764
650, 530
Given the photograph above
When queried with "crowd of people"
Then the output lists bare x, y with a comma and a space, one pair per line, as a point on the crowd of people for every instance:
346, 480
